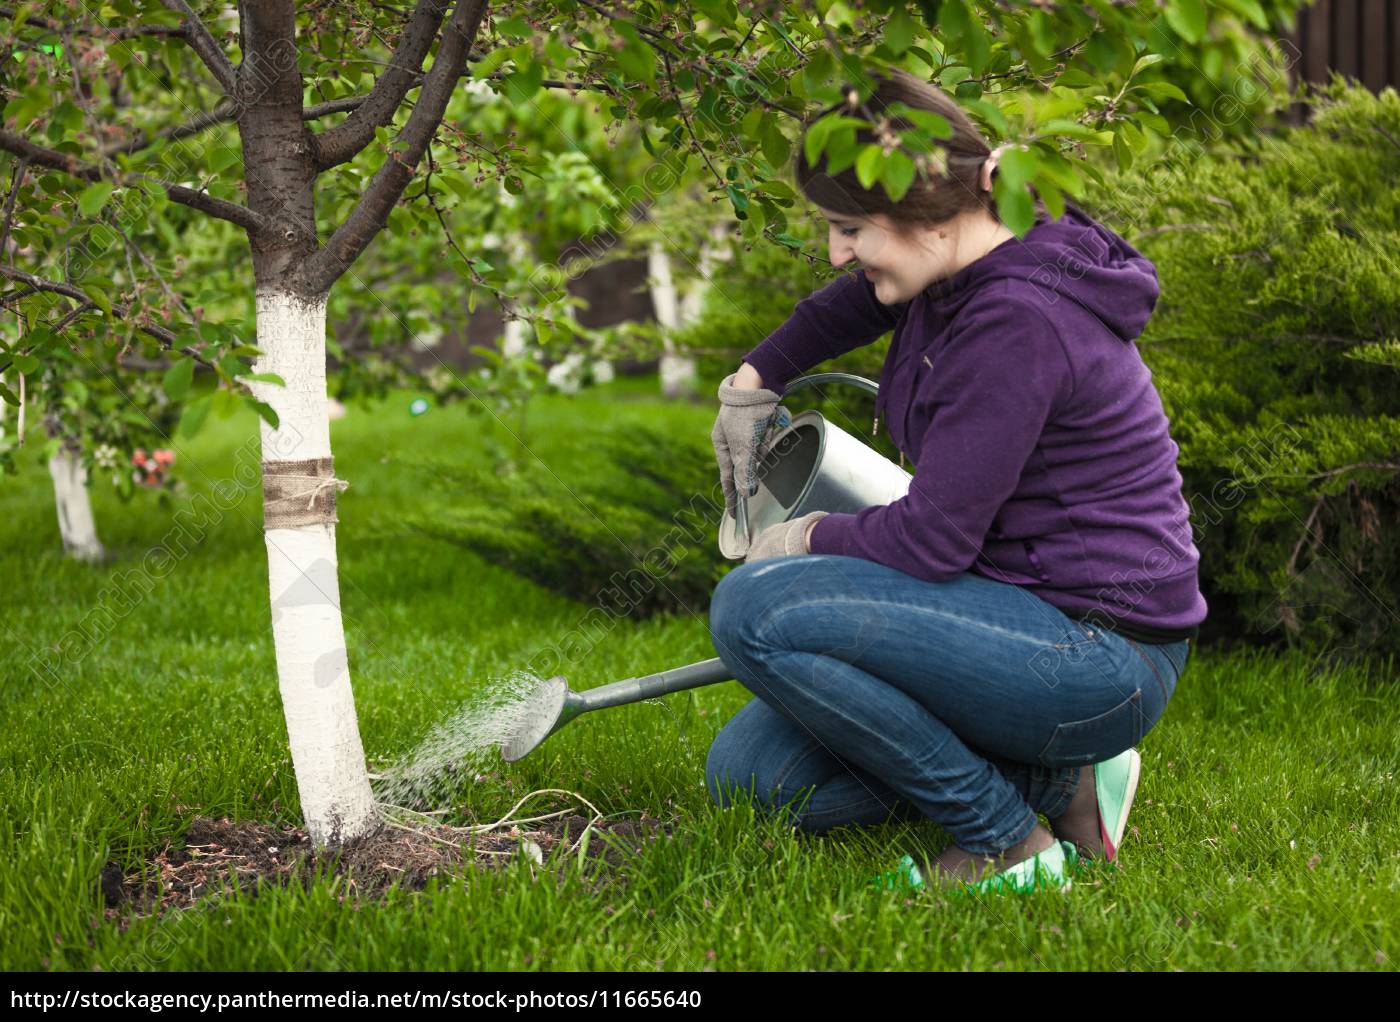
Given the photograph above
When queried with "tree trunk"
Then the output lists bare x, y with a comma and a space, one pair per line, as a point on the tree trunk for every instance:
70, 493
312, 668
677, 371
513, 344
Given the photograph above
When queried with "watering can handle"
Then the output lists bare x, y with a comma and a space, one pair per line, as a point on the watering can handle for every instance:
741, 504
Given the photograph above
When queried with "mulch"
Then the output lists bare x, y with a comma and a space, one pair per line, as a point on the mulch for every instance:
221, 856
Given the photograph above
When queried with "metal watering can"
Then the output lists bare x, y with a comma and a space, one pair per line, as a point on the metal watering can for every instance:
810, 465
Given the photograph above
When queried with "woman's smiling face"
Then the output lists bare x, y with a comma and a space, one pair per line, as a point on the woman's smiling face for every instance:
902, 262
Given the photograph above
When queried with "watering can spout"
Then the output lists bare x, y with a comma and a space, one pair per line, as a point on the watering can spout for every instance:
553, 704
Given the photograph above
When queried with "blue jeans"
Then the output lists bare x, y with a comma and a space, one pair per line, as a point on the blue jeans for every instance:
882, 696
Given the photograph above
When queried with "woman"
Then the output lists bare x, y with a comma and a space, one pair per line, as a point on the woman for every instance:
994, 644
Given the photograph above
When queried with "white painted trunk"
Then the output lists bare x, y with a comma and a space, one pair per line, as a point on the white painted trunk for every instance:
516, 334
70, 496
663, 287
313, 671
678, 373
513, 345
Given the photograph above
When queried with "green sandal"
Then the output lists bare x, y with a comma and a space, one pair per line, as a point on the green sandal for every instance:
1051, 869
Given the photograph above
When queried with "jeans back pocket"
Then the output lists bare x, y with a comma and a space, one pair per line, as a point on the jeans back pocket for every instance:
1095, 739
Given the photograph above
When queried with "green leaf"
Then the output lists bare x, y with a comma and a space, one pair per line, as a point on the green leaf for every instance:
27, 364
1122, 151
1015, 207
898, 175
776, 147
1162, 90
520, 86
272, 378
1146, 61
100, 299
490, 62
265, 411
1133, 135
1050, 192
194, 415
94, 197
990, 114
819, 70
636, 59
739, 200
225, 403
1187, 18
178, 378
977, 48
899, 31
841, 150
221, 158
930, 123
1017, 168
868, 165
1076, 131
1249, 9
954, 19
818, 134
232, 366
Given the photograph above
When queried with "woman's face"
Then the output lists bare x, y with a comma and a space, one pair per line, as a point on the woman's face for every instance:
903, 262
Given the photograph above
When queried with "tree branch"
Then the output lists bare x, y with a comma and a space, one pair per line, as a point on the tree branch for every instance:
167, 338
341, 143
105, 31
205, 203
205, 46
17, 173
222, 113
372, 212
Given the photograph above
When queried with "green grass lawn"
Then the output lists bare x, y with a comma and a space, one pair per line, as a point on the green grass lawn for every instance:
1266, 831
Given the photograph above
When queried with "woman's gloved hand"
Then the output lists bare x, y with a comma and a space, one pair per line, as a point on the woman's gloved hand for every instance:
745, 416
784, 538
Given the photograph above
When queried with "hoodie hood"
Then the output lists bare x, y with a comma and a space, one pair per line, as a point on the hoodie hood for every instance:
1074, 257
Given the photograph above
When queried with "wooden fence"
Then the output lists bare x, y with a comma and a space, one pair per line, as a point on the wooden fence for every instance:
1356, 38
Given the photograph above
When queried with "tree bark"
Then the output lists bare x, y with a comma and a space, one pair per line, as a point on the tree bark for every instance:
313, 670
70, 492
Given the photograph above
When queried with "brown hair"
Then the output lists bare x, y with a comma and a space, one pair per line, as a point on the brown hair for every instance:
933, 198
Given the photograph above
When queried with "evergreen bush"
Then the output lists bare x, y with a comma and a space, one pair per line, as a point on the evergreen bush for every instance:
1274, 345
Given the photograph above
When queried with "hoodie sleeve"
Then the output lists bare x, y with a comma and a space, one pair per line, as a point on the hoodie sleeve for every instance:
991, 389
839, 318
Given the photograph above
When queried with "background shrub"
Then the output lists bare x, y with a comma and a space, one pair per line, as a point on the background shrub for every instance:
645, 514
1274, 346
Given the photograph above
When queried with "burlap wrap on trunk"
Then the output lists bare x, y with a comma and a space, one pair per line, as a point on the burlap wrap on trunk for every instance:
297, 493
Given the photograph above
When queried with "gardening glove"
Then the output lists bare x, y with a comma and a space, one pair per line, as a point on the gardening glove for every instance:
745, 416
783, 539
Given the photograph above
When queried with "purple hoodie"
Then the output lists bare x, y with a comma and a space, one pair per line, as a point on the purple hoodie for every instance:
1040, 447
